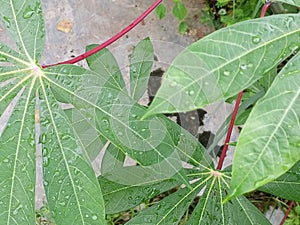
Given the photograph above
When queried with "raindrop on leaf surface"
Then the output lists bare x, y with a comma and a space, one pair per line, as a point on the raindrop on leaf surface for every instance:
28, 12
256, 39
6, 21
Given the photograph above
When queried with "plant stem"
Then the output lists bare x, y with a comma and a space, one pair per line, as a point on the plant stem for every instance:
287, 213
111, 40
236, 107
227, 140
265, 9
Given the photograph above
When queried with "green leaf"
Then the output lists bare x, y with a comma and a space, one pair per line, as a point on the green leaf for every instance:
141, 62
179, 10
69, 180
24, 21
104, 62
268, 145
210, 209
290, 2
161, 11
183, 27
119, 197
152, 142
17, 166
86, 133
286, 186
225, 62
170, 209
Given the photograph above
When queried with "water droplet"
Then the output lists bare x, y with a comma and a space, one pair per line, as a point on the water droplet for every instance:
191, 93
289, 20
45, 152
173, 84
28, 13
76, 171
206, 83
244, 66
46, 183
256, 39
226, 73
15, 212
94, 217
6, 21
6, 160
43, 138
46, 161
62, 203
3, 58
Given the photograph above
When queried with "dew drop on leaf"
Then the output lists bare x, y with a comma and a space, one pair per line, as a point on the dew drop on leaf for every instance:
191, 93
28, 12
173, 84
6, 21
244, 66
15, 212
6, 160
94, 217
46, 161
256, 39
3, 58
226, 73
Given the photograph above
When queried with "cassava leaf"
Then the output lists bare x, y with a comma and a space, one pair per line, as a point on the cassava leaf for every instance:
141, 62
104, 62
225, 62
286, 186
120, 197
152, 142
17, 163
290, 2
70, 182
170, 209
86, 133
268, 145
24, 21
210, 209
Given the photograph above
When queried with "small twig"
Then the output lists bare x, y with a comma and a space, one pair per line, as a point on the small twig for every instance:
287, 213
111, 40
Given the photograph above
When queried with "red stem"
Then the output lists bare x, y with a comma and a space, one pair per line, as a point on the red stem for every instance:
111, 40
265, 9
227, 140
236, 107
287, 213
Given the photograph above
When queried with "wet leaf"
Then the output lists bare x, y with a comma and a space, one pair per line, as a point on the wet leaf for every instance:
268, 145
141, 62
225, 62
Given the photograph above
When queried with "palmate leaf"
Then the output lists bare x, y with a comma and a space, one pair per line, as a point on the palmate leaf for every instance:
209, 208
73, 192
268, 145
225, 62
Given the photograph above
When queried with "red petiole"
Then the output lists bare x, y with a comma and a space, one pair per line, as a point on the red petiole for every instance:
111, 40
